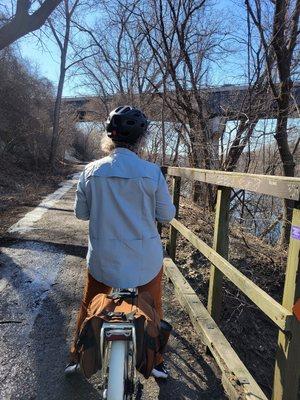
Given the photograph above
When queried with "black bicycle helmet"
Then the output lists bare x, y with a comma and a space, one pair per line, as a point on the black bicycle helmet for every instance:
126, 124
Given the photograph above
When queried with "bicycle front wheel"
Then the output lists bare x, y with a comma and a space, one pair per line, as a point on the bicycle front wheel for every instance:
116, 375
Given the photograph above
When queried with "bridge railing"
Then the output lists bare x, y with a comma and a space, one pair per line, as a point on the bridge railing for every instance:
236, 378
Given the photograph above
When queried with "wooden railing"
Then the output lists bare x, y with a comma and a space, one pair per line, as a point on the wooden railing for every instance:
236, 378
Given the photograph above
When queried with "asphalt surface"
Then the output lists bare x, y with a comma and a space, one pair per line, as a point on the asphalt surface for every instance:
42, 270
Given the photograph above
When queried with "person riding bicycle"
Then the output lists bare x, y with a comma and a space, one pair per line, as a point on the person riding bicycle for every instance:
123, 196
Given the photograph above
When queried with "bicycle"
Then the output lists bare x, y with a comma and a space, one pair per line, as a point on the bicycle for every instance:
118, 353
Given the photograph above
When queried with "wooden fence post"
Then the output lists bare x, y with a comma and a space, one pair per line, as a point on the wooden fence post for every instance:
220, 244
164, 170
287, 367
171, 247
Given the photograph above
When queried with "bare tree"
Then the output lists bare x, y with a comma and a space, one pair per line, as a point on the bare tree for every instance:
61, 31
184, 39
122, 66
279, 50
24, 22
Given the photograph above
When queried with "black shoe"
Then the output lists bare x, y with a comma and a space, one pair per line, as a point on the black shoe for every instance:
160, 371
72, 368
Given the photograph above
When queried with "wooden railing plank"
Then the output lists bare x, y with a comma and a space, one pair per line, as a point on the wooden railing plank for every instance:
279, 186
275, 311
236, 379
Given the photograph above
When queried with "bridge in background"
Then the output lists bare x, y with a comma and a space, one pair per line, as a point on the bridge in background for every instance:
227, 101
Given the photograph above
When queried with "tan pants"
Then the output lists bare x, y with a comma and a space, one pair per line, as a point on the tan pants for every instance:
93, 287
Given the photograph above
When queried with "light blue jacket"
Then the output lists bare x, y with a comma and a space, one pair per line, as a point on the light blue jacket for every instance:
123, 196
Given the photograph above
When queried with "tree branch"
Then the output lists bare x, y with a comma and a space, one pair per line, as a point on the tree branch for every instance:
23, 23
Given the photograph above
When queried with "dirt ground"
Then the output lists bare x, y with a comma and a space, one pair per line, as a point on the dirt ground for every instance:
250, 332
21, 190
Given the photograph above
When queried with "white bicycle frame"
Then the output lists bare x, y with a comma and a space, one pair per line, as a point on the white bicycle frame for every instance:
118, 354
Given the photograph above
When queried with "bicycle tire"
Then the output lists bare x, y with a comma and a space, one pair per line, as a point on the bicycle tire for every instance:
116, 374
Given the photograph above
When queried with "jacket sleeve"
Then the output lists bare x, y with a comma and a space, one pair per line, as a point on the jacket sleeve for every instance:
165, 209
81, 208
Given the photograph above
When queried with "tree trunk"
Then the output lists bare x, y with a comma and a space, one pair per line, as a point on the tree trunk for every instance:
284, 43
57, 106
202, 192
56, 117
163, 133
175, 159
288, 163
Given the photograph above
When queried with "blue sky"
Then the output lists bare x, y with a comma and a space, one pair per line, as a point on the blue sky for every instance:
46, 61
45, 58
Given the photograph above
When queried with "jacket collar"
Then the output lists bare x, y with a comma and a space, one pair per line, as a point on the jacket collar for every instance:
123, 150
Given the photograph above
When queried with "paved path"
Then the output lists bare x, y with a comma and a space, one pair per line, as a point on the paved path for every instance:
42, 267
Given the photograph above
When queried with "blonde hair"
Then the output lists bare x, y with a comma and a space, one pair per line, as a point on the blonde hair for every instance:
108, 145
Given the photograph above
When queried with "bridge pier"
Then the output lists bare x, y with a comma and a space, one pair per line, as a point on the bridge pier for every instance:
217, 126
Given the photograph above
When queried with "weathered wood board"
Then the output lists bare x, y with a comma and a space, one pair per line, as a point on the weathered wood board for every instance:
220, 245
279, 186
275, 311
173, 231
287, 367
237, 380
